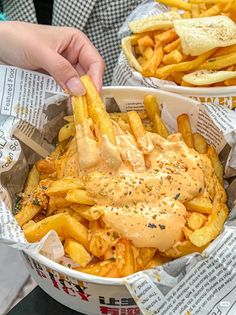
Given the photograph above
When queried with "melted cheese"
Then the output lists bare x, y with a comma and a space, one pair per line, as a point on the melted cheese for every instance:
146, 205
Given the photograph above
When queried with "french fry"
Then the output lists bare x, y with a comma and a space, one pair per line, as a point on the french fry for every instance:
187, 232
59, 150
101, 240
230, 68
233, 15
196, 221
212, 228
65, 225
113, 273
146, 41
88, 155
100, 269
220, 193
183, 248
184, 66
136, 125
167, 36
200, 144
234, 102
173, 57
45, 166
62, 186
148, 53
185, 129
171, 46
65, 210
186, 15
203, 7
79, 196
184, 83
91, 92
66, 132
152, 64
214, 10
109, 254
208, 1
28, 224
137, 52
199, 204
219, 62
218, 84
97, 110
80, 219
89, 213
225, 51
135, 37
216, 163
141, 50
230, 82
77, 252
180, 4
124, 257
145, 254
153, 112
56, 202
27, 213
124, 116
69, 118
151, 106
124, 125
32, 180
157, 260
80, 109
159, 127
195, 10
229, 6
148, 126
177, 77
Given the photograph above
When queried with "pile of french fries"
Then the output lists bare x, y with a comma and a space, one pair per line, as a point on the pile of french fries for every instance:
55, 196
154, 48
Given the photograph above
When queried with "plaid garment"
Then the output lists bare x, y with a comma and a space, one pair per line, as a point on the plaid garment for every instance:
99, 19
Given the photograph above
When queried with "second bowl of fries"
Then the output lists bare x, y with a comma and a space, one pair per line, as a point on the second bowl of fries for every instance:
124, 191
191, 49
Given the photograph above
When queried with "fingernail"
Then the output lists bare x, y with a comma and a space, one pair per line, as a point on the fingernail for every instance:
75, 87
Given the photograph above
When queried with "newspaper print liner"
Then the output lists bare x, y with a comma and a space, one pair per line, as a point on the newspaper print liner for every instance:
195, 284
125, 75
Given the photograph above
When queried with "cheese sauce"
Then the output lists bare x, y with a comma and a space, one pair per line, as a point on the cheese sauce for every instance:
142, 186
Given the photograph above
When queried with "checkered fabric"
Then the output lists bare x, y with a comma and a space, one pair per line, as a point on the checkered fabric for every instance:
99, 19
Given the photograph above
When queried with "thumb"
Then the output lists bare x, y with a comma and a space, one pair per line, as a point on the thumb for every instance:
62, 71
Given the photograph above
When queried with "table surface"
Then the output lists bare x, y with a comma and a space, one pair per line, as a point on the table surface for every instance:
38, 302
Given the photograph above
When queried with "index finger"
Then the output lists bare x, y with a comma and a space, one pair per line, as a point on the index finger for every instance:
92, 62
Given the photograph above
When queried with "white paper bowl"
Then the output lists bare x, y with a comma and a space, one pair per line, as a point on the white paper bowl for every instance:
225, 95
82, 292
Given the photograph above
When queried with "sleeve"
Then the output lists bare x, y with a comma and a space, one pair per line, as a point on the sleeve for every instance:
2, 17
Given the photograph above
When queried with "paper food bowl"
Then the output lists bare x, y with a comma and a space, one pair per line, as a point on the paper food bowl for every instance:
82, 292
125, 74
225, 95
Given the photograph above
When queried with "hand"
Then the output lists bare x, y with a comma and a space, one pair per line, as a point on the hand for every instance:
63, 52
